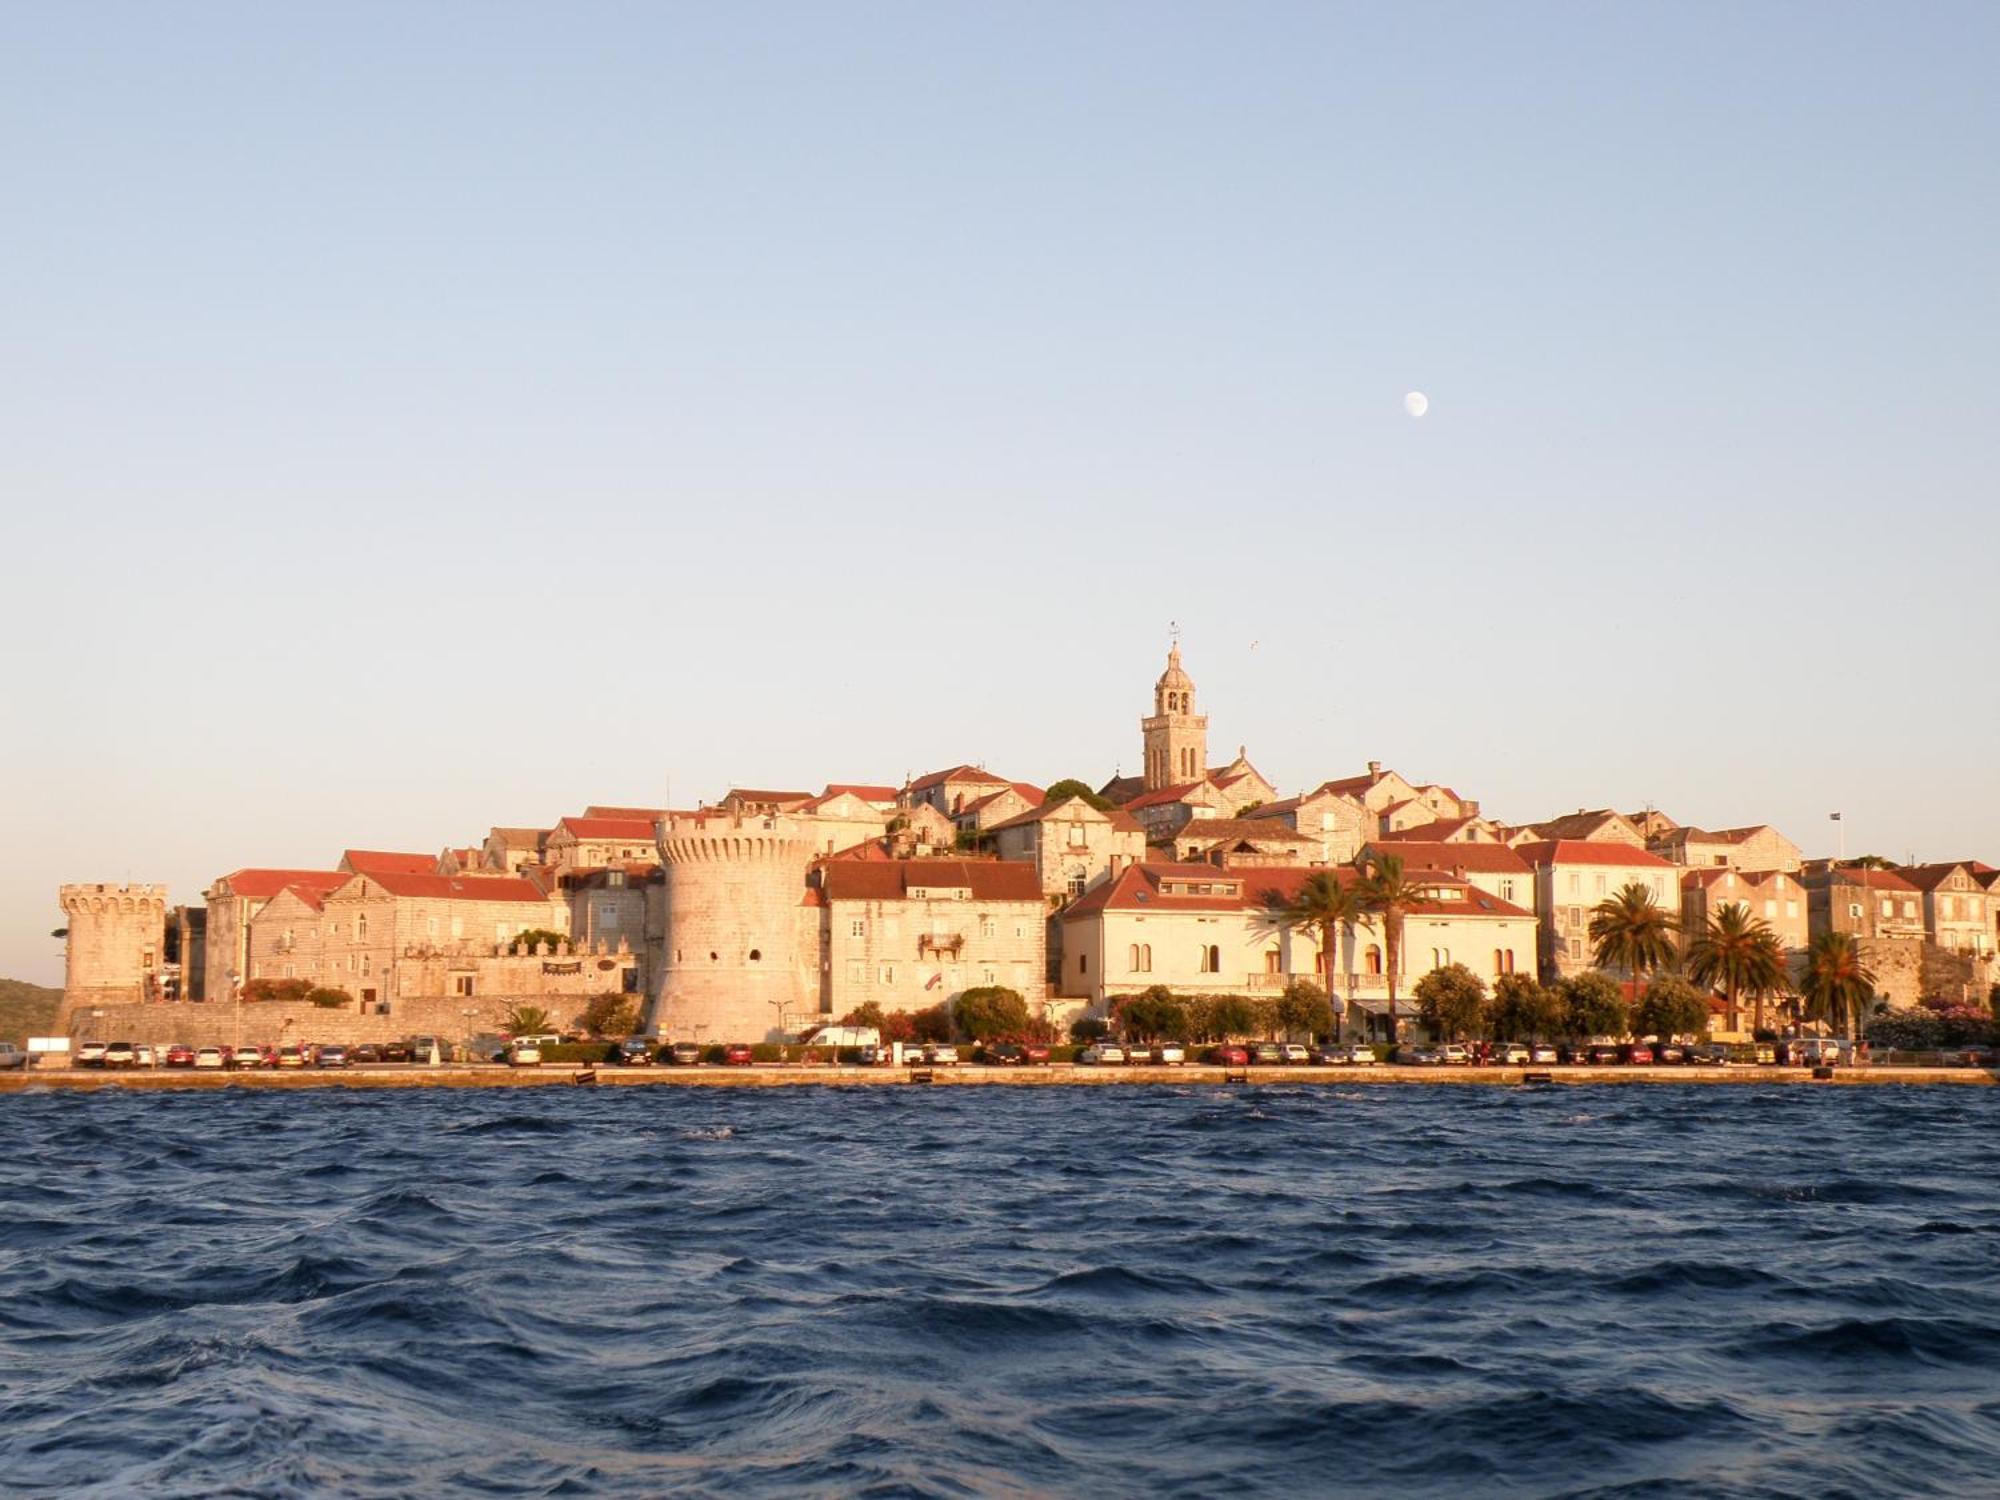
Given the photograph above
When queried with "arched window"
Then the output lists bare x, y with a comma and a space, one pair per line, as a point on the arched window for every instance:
1374, 958
1132, 959
1214, 957
1146, 957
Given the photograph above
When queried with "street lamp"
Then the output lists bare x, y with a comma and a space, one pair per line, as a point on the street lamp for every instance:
236, 997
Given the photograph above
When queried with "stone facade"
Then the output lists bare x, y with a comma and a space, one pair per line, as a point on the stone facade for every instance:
593, 843
1957, 907
1757, 848
1071, 844
1572, 876
117, 943
1175, 736
233, 901
378, 932
1338, 822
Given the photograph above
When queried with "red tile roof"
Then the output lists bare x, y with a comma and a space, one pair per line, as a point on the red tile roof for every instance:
261, 885
1930, 877
1588, 852
1164, 795
506, 888
956, 773
762, 795
373, 861
1874, 880
892, 880
608, 828
644, 814
1140, 888
859, 789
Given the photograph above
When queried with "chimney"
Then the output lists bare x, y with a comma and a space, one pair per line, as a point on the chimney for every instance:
1374, 770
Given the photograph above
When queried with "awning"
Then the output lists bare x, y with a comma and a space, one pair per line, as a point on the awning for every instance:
1405, 1009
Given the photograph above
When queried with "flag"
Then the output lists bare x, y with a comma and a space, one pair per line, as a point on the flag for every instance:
933, 981
1835, 817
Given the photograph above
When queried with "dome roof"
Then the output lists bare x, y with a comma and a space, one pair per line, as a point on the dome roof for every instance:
1174, 677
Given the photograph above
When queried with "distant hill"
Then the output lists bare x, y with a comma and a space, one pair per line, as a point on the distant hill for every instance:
26, 1010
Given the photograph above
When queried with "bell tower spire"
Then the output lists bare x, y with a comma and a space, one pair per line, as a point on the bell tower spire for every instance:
1176, 737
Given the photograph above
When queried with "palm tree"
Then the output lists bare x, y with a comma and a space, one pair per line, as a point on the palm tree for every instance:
1631, 931
1329, 905
527, 1020
1385, 889
1837, 986
1740, 953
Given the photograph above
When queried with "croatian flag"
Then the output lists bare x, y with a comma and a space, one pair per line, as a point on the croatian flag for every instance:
933, 982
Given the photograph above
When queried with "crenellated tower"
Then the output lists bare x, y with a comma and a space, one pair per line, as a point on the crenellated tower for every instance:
741, 957
117, 943
1176, 736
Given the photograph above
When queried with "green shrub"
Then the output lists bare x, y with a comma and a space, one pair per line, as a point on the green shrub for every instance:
329, 999
578, 1052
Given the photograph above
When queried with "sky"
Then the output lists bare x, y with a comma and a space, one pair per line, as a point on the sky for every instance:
420, 418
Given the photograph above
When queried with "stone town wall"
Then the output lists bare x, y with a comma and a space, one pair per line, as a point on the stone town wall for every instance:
270, 1023
117, 942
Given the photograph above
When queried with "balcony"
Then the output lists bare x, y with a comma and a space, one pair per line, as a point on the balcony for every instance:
941, 942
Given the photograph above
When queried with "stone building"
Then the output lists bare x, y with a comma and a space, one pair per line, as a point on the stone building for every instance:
1256, 842
1600, 827
907, 934
995, 807
1491, 867
1166, 811
371, 924
1338, 822
1755, 848
591, 843
507, 849
1861, 902
233, 901
1956, 906
117, 943
1174, 736
284, 937
1203, 930
1574, 875
949, 791
1071, 844
384, 862
1773, 897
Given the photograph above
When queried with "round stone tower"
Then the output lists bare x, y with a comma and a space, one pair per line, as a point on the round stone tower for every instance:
117, 943
737, 966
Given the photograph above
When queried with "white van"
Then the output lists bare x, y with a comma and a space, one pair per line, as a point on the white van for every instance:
845, 1036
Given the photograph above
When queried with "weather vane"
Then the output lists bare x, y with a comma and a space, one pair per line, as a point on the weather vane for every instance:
1174, 631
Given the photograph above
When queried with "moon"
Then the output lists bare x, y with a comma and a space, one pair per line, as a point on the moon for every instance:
1416, 403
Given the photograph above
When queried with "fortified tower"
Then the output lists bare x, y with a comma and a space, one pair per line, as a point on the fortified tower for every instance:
736, 965
1176, 736
117, 943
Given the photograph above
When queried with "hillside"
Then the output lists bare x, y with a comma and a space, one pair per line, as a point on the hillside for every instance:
26, 1010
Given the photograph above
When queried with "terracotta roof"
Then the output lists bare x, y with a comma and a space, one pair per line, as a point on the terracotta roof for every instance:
1587, 852
636, 871
519, 838
1435, 854
1576, 825
1141, 888
1719, 875
1874, 880
766, 794
1122, 788
859, 789
375, 861
1165, 795
1218, 829
1930, 877
644, 814
956, 773
608, 828
506, 888
261, 885
1428, 833
306, 895
891, 880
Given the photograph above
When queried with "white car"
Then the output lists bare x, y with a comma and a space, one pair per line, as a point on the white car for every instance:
1294, 1052
941, 1055
1510, 1054
1543, 1052
247, 1057
210, 1057
143, 1056
1455, 1054
524, 1054
90, 1055
1172, 1054
119, 1054
1102, 1052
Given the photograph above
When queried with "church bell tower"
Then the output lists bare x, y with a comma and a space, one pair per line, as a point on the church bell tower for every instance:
1176, 736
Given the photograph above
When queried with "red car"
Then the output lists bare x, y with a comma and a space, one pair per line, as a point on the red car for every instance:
180, 1057
1230, 1056
1034, 1052
1638, 1054
737, 1055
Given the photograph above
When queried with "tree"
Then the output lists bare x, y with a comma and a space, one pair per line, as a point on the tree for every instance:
610, 1014
1386, 890
527, 1020
1230, 1015
1670, 1007
1522, 1010
1327, 904
329, 999
1453, 999
1593, 1005
1152, 1014
1740, 954
1088, 1028
932, 1024
1631, 931
530, 938
1069, 787
1304, 1008
285, 991
1837, 987
987, 1011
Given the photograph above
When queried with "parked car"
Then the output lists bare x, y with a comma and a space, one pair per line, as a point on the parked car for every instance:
332, 1055
395, 1052
1543, 1052
246, 1057
1456, 1054
1419, 1057
941, 1055
210, 1057
118, 1055
365, 1054
684, 1054
1170, 1054
1034, 1052
524, 1054
1101, 1053
1001, 1054
1709, 1054
1511, 1055
1639, 1055
1604, 1055
1329, 1056
291, 1057
179, 1056
145, 1056
1266, 1054
89, 1055
738, 1055
1361, 1055
1670, 1052
1228, 1055
12, 1056
1764, 1052
1294, 1052
634, 1052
